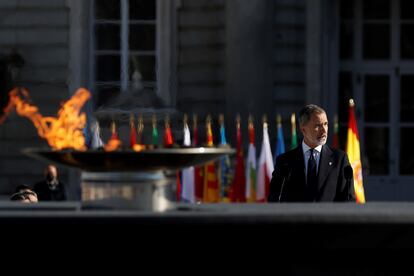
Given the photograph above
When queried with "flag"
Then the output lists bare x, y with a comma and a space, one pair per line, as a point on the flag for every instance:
87, 136
195, 131
211, 188
265, 167
224, 172
198, 171
354, 155
132, 132
96, 141
168, 139
154, 131
238, 193
187, 136
280, 142
251, 166
188, 191
140, 130
335, 140
209, 132
114, 135
294, 142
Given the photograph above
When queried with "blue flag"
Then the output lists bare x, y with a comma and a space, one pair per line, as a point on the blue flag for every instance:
225, 173
280, 142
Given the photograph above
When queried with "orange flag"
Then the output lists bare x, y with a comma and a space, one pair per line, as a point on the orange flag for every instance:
354, 155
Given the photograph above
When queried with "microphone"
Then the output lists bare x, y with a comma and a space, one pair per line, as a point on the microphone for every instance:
348, 174
285, 171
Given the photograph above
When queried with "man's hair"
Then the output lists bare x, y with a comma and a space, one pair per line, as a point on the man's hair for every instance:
22, 187
22, 195
17, 197
306, 112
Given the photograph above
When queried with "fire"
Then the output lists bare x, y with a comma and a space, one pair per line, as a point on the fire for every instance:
114, 143
62, 132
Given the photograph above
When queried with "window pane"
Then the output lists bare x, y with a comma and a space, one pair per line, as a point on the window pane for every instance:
142, 9
407, 9
346, 43
342, 135
406, 151
407, 41
142, 37
376, 41
376, 148
107, 9
376, 90
407, 98
108, 68
106, 93
345, 93
376, 9
107, 37
145, 65
346, 9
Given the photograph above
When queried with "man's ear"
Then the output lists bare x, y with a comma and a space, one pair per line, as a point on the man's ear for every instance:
302, 129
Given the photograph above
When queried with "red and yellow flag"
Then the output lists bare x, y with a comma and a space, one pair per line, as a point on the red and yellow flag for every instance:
211, 191
354, 155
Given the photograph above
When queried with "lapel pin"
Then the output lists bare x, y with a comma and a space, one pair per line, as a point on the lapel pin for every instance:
330, 163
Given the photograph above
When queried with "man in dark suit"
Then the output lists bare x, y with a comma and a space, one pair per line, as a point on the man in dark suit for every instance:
313, 172
50, 189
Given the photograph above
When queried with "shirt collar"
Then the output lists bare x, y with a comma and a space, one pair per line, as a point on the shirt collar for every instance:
305, 148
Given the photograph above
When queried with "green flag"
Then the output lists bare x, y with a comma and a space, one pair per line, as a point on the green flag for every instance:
154, 131
294, 142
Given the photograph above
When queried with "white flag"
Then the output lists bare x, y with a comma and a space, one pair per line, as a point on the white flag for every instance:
188, 190
265, 168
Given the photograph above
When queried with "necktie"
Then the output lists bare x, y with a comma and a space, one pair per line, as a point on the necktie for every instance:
312, 179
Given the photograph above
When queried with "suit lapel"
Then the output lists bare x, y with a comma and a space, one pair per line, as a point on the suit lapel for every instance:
300, 165
326, 163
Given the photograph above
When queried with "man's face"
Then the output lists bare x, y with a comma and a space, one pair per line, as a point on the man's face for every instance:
51, 173
315, 132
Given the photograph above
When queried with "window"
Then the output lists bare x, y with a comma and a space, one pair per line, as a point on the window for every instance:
376, 68
130, 40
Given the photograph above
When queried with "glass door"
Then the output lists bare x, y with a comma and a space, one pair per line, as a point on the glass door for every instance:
376, 68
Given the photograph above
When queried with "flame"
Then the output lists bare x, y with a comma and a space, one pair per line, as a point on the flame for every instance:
138, 147
62, 132
114, 143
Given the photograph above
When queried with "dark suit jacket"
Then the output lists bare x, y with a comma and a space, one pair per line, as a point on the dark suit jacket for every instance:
45, 194
290, 171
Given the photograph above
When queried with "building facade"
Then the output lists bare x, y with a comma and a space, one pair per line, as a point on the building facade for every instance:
217, 56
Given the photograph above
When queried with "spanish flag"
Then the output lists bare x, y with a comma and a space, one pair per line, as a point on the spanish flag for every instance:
353, 151
211, 191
